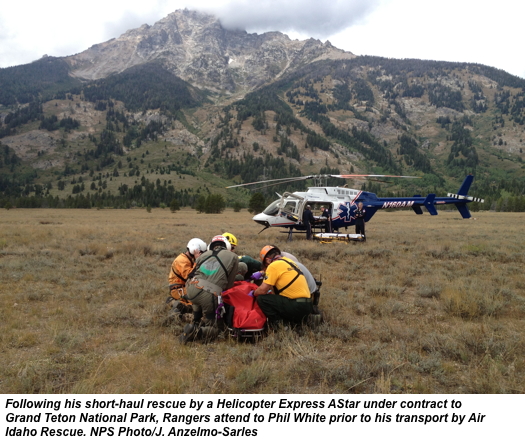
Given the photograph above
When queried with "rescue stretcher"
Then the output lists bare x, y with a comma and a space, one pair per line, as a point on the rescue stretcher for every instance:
326, 237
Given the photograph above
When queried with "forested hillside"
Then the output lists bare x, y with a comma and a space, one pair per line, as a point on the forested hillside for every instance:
40, 80
146, 138
434, 119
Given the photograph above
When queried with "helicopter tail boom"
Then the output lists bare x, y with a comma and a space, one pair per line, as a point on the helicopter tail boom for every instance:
429, 202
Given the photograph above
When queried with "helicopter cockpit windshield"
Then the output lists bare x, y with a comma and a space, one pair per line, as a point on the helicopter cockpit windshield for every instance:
272, 208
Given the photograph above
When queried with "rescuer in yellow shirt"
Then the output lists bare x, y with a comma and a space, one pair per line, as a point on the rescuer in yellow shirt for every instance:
284, 295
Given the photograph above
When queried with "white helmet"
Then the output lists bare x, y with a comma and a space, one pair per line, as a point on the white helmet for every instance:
220, 240
196, 244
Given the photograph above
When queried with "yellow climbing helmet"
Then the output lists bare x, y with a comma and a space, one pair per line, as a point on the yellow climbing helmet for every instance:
231, 238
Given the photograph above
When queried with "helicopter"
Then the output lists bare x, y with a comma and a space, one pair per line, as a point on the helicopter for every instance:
341, 203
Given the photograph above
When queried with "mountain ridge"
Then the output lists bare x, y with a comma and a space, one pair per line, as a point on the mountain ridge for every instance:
195, 47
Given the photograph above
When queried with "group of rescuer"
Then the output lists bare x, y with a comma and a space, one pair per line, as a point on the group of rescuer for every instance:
284, 288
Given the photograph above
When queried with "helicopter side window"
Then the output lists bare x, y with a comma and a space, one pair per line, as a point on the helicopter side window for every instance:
290, 207
272, 208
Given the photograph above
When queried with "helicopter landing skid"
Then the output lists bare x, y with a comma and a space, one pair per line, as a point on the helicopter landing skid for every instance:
290, 233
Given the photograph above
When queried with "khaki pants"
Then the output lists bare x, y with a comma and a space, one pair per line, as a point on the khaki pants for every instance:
204, 302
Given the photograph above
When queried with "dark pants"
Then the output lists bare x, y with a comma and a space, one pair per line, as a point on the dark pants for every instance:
308, 231
327, 225
360, 228
278, 308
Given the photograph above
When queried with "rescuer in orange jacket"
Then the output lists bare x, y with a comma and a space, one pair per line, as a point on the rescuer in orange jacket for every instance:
179, 273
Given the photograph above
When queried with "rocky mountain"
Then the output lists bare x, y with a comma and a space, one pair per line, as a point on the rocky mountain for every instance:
195, 47
180, 109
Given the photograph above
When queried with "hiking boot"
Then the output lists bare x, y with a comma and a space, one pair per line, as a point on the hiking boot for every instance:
314, 321
209, 333
190, 333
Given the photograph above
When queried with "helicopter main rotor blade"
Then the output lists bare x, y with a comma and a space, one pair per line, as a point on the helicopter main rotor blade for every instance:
319, 176
273, 184
283, 180
351, 176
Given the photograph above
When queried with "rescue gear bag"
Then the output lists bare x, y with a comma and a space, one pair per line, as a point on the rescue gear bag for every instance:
244, 312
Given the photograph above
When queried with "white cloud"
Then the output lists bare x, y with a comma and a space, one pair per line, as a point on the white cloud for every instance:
60, 27
451, 30
311, 17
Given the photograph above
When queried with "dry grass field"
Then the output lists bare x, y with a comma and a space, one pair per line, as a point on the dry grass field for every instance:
426, 305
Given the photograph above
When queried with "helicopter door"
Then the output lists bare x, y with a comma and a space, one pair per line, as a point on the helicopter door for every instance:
300, 211
290, 206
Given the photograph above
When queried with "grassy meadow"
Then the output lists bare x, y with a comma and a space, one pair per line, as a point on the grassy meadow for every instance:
426, 305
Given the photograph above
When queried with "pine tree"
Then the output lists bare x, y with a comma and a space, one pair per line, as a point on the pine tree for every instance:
257, 203
174, 205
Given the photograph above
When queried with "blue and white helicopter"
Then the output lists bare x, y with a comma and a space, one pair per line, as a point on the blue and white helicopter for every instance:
341, 204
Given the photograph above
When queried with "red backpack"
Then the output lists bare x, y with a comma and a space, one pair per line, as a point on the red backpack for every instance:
247, 315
